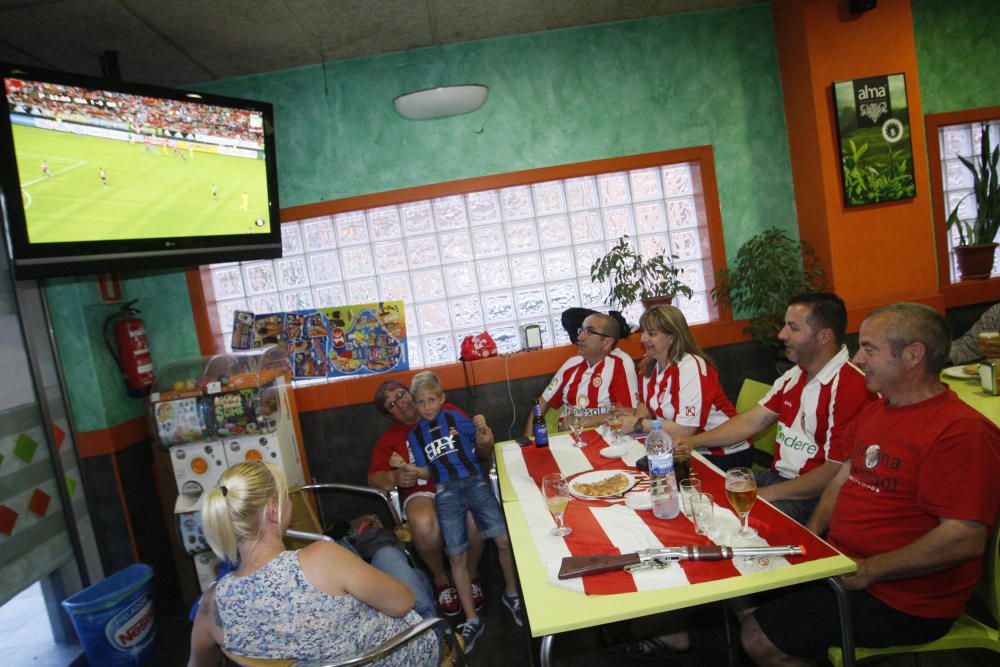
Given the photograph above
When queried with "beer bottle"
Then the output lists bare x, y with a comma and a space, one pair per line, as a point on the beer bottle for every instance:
539, 429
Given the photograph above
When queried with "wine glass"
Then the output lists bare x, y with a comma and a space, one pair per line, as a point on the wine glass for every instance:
741, 491
574, 419
556, 492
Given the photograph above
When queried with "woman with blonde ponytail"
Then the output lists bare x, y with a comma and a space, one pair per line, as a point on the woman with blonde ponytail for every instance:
319, 603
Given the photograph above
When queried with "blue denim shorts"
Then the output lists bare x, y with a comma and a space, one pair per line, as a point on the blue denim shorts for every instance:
472, 494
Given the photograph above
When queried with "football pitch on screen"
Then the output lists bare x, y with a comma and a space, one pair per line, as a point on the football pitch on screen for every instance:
150, 192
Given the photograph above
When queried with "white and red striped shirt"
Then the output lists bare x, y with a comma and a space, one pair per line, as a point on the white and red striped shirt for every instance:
611, 379
813, 414
689, 393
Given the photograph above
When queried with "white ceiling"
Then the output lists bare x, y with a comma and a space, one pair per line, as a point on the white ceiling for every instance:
182, 42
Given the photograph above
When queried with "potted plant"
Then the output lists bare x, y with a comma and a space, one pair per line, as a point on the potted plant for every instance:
769, 269
977, 237
632, 278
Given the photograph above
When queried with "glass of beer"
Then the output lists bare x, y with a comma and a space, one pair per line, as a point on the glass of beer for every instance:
741, 491
556, 493
615, 423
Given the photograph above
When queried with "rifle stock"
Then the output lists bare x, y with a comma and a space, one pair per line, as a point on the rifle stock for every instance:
580, 565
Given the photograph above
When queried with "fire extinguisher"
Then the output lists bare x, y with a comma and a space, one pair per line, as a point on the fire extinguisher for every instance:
130, 349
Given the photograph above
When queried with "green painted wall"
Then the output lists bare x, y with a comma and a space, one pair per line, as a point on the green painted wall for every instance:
555, 97
95, 388
958, 53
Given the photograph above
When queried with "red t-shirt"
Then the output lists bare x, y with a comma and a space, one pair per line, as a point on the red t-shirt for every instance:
814, 413
910, 467
393, 440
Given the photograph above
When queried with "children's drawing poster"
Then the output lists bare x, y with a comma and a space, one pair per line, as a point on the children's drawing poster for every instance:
338, 342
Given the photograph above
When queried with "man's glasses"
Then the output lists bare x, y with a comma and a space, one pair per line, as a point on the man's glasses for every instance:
399, 396
591, 331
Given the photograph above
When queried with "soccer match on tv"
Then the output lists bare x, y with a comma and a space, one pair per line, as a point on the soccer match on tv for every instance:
99, 165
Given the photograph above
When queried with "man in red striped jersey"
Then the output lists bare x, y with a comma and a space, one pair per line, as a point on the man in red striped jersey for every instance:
599, 376
813, 403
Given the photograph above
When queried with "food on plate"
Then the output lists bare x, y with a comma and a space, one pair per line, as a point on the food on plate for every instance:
608, 486
971, 369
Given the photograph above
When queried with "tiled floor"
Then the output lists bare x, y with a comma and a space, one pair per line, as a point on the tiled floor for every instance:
26, 635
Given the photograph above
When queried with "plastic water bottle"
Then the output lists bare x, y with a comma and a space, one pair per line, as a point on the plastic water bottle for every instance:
541, 431
663, 484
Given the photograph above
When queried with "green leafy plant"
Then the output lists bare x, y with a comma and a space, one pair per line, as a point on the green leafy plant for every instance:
982, 230
769, 269
632, 277
869, 178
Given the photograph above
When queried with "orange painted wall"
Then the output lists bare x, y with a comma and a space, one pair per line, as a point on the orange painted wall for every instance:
872, 254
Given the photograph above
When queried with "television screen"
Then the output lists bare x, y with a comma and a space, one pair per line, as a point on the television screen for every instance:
102, 175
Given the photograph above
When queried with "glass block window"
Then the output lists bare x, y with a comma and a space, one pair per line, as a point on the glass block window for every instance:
956, 180
494, 260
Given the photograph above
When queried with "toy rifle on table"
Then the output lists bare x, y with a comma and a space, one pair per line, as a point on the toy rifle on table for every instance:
578, 566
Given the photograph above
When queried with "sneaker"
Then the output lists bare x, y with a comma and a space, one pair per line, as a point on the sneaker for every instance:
513, 602
477, 594
469, 632
447, 599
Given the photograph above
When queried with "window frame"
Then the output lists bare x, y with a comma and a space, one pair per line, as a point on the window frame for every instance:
719, 330
966, 292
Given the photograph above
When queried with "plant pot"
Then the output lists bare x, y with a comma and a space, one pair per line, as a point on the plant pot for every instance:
654, 301
975, 262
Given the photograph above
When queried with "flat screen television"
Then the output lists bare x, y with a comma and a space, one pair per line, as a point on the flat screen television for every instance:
99, 175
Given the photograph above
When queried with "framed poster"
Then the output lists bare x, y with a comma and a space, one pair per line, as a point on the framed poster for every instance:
873, 124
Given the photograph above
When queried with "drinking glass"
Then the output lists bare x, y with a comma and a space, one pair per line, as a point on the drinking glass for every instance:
688, 486
574, 419
741, 491
615, 424
703, 512
556, 492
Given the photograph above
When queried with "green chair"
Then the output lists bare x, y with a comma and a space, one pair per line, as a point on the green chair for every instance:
750, 394
552, 419
967, 632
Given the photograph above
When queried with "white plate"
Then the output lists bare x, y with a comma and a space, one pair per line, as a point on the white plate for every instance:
639, 500
959, 373
595, 476
614, 452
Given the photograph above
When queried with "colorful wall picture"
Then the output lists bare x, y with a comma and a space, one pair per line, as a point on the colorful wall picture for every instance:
875, 151
337, 342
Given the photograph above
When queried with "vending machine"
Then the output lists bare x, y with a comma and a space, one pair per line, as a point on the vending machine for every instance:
209, 413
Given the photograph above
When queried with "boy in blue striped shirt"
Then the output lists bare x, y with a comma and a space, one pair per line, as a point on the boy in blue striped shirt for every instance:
443, 444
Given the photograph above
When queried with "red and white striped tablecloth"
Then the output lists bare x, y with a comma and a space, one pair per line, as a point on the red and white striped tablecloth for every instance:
612, 527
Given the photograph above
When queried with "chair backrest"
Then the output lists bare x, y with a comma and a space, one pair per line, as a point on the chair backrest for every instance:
451, 650
750, 394
552, 419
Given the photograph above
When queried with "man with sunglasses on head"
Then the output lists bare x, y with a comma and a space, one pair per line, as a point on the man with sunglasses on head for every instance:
393, 399
598, 377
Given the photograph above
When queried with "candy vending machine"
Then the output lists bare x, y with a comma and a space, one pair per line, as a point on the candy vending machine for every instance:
212, 412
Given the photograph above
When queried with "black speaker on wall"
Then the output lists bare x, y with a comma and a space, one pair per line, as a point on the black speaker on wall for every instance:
862, 6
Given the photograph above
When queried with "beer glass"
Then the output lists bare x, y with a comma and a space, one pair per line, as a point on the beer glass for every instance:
615, 424
556, 492
741, 491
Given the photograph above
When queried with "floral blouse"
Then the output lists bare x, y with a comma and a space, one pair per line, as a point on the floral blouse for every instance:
275, 612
